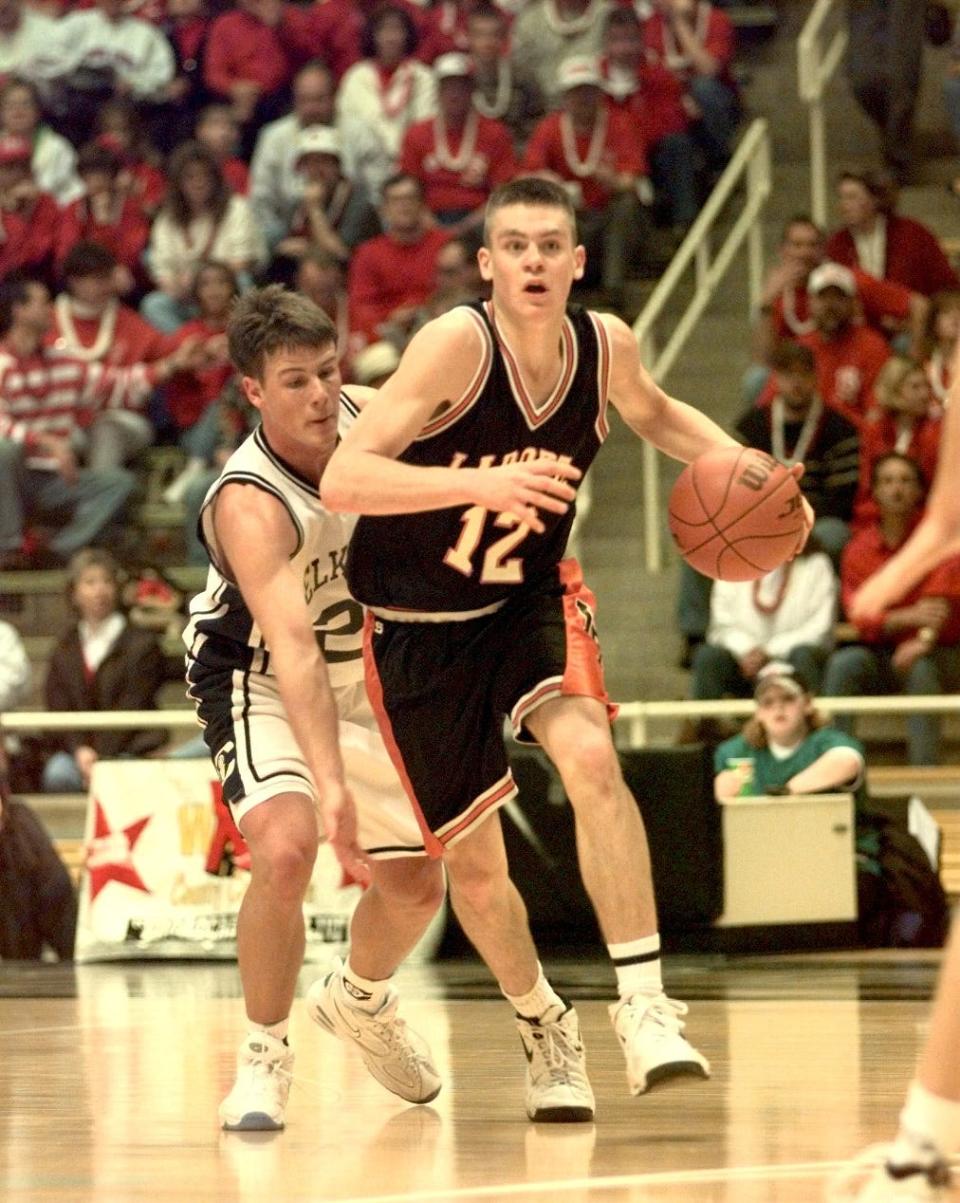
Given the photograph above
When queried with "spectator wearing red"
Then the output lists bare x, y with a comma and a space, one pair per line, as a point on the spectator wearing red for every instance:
251, 54
335, 30
598, 152
696, 42
29, 218
121, 128
653, 96
903, 422
187, 26
940, 344
500, 90
445, 28
54, 160
911, 648
392, 275
320, 276
875, 238
105, 214
218, 130
458, 156
191, 397
848, 355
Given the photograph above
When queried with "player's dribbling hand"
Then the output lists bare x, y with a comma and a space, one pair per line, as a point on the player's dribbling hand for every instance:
339, 815
809, 516
523, 489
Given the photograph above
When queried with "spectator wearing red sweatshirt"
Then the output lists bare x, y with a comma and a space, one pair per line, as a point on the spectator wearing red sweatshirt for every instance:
29, 218
219, 131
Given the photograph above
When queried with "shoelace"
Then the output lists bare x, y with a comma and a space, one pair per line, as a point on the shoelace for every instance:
392, 1030
667, 1013
559, 1053
847, 1182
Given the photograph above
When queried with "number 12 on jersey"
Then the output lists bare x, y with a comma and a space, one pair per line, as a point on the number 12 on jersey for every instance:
498, 567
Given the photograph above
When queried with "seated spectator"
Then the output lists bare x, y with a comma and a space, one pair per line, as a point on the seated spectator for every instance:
458, 156
800, 427
54, 160
121, 128
906, 421
276, 187
875, 238
390, 276
251, 53
500, 91
218, 130
940, 344
597, 151
548, 31
38, 906
788, 747
847, 354
101, 662
190, 397
696, 42
95, 52
29, 218
336, 29
784, 307
457, 281
186, 24
16, 675
375, 364
913, 648
384, 94
653, 96
787, 615
320, 276
200, 219
25, 34
105, 214
445, 29
90, 324
334, 214
43, 397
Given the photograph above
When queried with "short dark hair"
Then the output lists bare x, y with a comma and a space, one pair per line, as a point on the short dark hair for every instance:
264, 320
368, 44
899, 457
400, 177
87, 258
15, 291
789, 356
98, 158
626, 17
528, 190
487, 12
799, 219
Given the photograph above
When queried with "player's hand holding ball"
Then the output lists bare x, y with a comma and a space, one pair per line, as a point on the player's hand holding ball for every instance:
737, 513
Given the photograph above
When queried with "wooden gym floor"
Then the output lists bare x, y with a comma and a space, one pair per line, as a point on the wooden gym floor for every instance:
110, 1076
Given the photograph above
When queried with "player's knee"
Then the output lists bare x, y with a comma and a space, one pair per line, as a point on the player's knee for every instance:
477, 886
589, 768
285, 861
422, 889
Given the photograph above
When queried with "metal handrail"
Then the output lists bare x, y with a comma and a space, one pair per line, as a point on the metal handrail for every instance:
750, 165
632, 723
816, 66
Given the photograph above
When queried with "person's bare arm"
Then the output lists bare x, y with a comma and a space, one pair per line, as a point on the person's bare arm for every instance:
836, 768
363, 475
256, 536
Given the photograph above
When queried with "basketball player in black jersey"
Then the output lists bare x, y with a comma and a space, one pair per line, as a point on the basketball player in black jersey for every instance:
465, 465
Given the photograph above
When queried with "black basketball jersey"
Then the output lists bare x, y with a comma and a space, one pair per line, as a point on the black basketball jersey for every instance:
466, 559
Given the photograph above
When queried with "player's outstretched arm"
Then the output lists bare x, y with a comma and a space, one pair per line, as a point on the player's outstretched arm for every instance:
256, 536
672, 426
935, 539
364, 476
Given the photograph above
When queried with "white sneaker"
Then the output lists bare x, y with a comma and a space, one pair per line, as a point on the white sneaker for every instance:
259, 1095
396, 1056
871, 1179
557, 1091
650, 1031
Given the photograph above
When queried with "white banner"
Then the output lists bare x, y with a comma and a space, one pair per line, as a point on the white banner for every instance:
165, 869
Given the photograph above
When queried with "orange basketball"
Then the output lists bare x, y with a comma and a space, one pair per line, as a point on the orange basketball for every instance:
736, 513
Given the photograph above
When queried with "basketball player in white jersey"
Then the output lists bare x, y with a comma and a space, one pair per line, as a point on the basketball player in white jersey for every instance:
274, 663
466, 460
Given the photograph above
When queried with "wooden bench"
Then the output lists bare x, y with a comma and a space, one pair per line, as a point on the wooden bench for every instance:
73, 855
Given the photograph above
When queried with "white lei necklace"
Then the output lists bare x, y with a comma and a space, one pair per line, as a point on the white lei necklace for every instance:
501, 100
582, 168
794, 323
468, 143
69, 338
675, 58
566, 27
937, 375
802, 445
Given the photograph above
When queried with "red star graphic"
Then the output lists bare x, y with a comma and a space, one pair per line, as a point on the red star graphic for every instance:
106, 861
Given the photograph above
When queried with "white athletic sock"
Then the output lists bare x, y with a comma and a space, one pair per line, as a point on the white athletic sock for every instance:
365, 993
537, 1001
637, 964
277, 1030
927, 1119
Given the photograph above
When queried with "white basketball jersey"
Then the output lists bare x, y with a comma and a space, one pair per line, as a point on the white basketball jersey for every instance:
222, 633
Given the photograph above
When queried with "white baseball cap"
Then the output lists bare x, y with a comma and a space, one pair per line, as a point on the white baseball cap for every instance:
578, 71
318, 140
453, 66
832, 275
